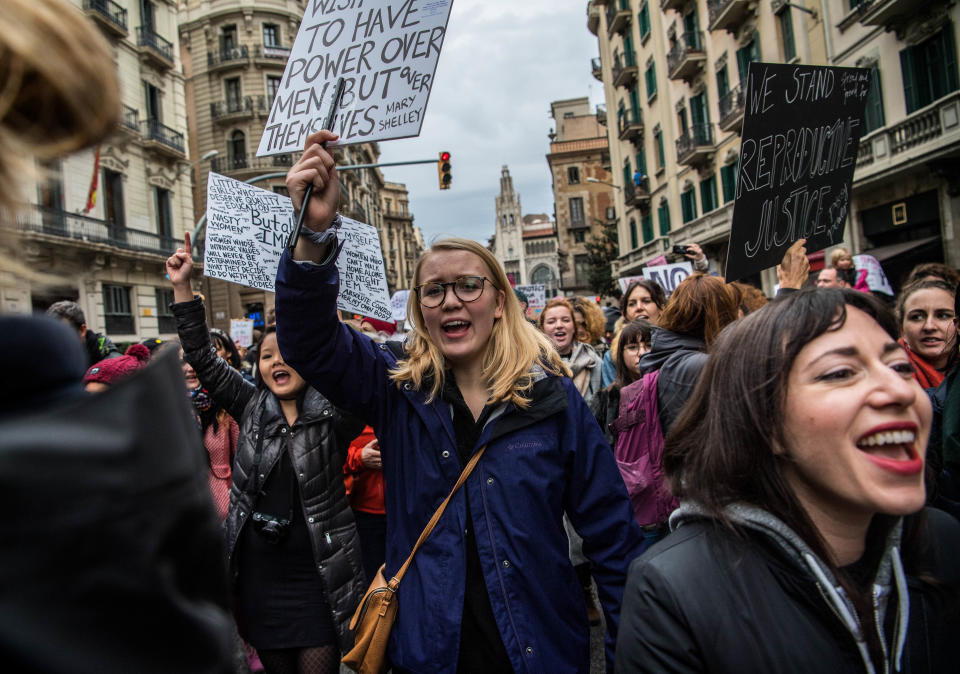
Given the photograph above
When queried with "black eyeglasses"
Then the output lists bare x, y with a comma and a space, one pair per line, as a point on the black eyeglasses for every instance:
466, 288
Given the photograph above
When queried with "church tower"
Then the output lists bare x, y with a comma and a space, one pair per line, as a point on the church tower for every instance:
508, 247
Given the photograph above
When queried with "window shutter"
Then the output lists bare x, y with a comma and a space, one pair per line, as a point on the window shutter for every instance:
909, 81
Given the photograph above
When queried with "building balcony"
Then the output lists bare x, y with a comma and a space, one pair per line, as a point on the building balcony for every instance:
710, 227
354, 211
929, 133
162, 139
602, 115
108, 15
593, 15
596, 67
231, 165
394, 214
624, 70
232, 110
232, 57
130, 121
728, 15
74, 227
687, 57
618, 17
631, 262
890, 13
672, 4
271, 53
695, 145
637, 196
629, 124
732, 105
154, 49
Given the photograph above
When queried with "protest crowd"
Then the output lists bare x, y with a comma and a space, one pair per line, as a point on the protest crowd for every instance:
716, 480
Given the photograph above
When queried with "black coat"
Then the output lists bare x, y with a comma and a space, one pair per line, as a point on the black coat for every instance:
706, 600
680, 359
316, 443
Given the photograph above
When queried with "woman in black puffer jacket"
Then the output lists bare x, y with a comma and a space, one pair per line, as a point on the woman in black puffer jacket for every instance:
292, 543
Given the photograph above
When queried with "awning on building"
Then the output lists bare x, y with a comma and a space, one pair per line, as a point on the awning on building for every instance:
886, 252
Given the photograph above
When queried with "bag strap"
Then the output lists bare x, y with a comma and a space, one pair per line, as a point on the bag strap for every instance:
427, 530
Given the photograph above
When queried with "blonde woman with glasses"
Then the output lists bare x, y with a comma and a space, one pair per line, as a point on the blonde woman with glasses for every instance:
492, 589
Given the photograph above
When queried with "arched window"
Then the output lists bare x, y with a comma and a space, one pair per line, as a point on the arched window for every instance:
237, 151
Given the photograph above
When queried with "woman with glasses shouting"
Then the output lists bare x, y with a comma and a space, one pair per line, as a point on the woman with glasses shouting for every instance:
492, 589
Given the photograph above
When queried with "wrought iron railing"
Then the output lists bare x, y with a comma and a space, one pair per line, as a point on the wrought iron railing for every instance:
57, 222
228, 55
698, 135
147, 37
156, 131
732, 103
110, 10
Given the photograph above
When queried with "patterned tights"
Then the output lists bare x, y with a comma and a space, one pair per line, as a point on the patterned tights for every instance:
315, 660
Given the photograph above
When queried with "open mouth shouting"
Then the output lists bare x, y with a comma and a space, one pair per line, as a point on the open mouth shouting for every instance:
281, 377
455, 327
893, 448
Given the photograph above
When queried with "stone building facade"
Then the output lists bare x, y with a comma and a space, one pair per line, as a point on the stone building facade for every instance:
111, 257
508, 231
674, 76
400, 240
583, 194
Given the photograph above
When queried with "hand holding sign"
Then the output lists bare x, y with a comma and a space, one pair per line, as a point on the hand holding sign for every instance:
317, 169
179, 269
793, 270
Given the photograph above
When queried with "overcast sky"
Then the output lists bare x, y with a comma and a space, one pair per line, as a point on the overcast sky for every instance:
503, 62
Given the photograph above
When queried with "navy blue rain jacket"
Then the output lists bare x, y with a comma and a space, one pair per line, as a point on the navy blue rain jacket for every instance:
540, 462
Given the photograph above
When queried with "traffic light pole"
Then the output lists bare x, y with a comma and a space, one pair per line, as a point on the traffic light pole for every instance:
354, 167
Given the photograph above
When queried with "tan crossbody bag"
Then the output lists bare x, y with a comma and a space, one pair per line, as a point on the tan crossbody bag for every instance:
373, 619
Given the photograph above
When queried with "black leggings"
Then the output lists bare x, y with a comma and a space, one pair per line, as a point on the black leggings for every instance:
313, 660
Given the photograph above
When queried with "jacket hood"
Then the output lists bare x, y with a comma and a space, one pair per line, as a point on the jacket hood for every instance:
889, 576
663, 344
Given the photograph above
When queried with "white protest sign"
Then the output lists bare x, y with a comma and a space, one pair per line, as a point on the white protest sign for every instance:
536, 295
625, 282
386, 51
669, 276
247, 228
876, 278
398, 304
241, 331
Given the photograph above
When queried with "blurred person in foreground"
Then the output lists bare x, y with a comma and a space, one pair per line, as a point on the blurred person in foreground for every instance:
110, 560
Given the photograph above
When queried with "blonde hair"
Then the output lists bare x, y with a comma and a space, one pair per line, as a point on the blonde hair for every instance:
513, 349
592, 316
58, 86
58, 94
837, 254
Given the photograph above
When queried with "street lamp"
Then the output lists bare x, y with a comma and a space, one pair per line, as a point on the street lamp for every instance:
601, 182
189, 165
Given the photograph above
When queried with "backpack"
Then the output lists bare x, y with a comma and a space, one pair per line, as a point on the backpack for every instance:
638, 451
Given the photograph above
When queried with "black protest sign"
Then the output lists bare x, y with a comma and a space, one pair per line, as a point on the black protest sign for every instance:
801, 133
386, 51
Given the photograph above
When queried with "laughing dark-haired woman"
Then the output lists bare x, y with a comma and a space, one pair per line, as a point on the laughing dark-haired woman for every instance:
292, 544
799, 464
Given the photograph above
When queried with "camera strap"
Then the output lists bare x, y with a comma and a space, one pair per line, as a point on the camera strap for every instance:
251, 486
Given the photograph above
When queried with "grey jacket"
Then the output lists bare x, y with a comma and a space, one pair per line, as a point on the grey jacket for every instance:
680, 359
316, 443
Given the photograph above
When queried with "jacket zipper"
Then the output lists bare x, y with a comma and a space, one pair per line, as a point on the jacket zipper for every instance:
876, 624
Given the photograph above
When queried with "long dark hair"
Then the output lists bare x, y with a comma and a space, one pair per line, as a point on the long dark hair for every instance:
656, 294
634, 332
222, 340
720, 450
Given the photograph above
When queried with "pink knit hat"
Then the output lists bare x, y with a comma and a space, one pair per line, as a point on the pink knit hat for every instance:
111, 370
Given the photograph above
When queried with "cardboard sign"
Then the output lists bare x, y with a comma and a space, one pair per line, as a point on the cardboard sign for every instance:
801, 134
669, 276
398, 304
876, 278
247, 228
386, 51
536, 295
241, 331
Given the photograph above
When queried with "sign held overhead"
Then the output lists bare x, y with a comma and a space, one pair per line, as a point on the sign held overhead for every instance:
801, 133
386, 51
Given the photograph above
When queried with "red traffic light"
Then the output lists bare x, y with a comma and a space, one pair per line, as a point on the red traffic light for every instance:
444, 156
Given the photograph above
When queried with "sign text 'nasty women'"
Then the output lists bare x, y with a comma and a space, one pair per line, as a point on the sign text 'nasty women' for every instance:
801, 133
247, 229
385, 50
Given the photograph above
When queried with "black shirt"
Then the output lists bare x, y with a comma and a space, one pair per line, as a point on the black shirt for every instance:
481, 647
